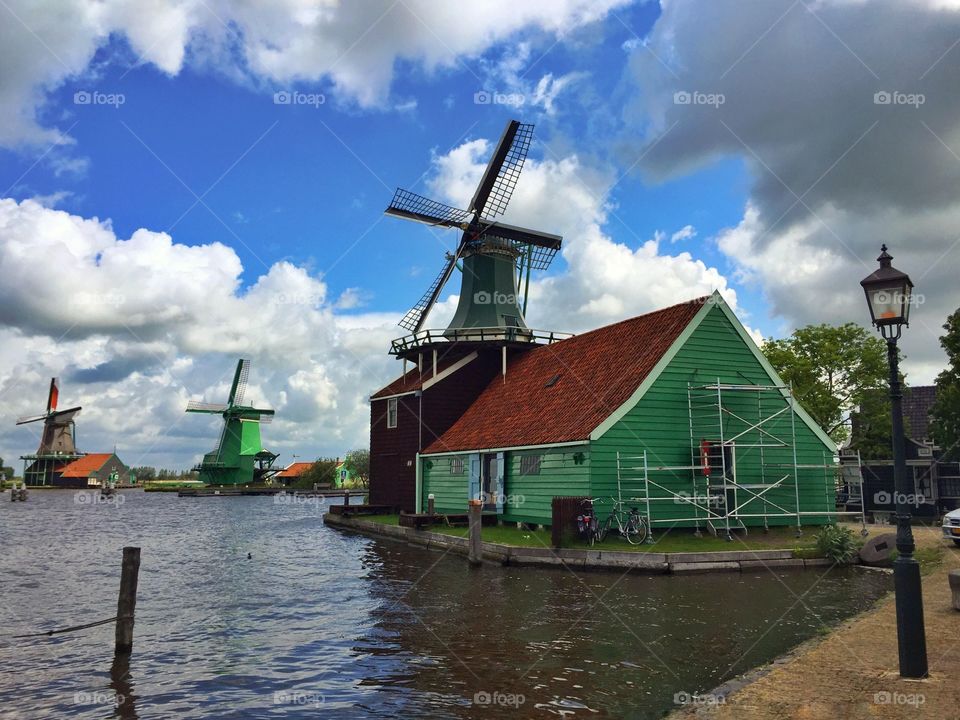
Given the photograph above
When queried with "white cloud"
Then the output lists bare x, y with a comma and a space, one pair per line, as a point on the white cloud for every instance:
687, 232
836, 169
135, 327
353, 47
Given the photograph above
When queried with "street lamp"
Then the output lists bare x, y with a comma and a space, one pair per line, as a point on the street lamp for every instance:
888, 296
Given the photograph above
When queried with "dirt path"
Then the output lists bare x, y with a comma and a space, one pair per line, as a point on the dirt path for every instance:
852, 673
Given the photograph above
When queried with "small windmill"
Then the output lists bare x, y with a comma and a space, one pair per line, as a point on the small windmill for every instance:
493, 256
57, 442
239, 458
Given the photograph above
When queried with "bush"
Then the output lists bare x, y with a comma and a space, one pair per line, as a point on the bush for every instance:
838, 544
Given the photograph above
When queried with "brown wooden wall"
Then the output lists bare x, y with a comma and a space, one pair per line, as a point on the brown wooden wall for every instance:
393, 451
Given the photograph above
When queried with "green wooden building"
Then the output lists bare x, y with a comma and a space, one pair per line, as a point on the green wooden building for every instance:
676, 412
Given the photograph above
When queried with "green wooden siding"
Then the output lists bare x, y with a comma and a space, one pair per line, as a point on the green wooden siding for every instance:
660, 425
528, 497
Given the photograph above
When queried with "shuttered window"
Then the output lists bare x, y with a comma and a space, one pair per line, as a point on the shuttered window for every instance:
530, 464
392, 412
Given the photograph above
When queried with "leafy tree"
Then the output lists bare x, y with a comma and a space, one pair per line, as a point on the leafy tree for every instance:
945, 413
144, 473
358, 463
322, 472
833, 370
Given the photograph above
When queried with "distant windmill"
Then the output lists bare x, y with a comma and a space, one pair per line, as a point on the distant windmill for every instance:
57, 442
239, 457
495, 256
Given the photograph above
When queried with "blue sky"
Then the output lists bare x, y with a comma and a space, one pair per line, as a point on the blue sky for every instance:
148, 243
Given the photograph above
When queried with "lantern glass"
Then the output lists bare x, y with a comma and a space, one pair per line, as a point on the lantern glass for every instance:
889, 303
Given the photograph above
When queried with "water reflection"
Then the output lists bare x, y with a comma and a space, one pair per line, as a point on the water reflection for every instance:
323, 623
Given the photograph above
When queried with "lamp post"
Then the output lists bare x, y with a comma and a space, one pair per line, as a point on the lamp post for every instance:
888, 296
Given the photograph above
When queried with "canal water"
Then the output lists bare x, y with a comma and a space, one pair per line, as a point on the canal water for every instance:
326, 624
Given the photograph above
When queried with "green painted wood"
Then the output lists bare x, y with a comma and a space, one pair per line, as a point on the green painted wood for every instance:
660, 425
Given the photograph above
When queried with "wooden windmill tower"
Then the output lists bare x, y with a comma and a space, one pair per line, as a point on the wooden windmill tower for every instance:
494, 257
239, 457
57, 442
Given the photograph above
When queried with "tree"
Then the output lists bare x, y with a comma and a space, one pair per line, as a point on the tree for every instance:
144, 473
834, 370
358, 464
322, 472
945, 413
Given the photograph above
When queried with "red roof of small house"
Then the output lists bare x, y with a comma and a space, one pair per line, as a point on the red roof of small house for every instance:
561, 392
295, 469
414, 379
84, 466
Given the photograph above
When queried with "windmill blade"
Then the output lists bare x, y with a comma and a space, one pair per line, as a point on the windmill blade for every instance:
54, 395
415, 316
411, 206
29, 419
266, 419
62, 414
239, 386
204, 407
500, 178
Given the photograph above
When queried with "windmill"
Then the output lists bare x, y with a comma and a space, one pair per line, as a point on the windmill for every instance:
57, 442
493, 256
239, 458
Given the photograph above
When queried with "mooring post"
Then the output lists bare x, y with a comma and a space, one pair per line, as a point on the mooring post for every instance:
430, 504
346, 497
476, 544
127, 602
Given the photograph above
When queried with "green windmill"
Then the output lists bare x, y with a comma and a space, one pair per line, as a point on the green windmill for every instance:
239, 458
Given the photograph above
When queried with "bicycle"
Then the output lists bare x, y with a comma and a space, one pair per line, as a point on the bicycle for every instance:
588, 527
629, 524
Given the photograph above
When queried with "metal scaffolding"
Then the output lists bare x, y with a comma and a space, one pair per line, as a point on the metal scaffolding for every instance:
743, 464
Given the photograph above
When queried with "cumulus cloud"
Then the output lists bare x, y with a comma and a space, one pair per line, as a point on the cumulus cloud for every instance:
135, 327
847, 117
353, 47
604, 280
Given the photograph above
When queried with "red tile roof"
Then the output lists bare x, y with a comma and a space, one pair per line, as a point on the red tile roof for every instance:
413, 379
295, 469
84, 466
561, 392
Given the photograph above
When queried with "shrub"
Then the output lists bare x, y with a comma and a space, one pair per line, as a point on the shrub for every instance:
838, 544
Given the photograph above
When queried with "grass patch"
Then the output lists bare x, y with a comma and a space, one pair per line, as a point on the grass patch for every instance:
676, 540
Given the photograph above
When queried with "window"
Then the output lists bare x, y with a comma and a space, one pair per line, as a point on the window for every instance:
456, 466
530, 464
392, 412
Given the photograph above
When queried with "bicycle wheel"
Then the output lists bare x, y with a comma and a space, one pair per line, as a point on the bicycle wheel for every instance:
604, 528
636, 530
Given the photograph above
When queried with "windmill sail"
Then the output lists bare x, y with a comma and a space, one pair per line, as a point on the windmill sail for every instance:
411, 206
503, 171
415, 316
54, 395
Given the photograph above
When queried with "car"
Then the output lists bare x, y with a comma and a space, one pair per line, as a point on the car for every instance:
951, 526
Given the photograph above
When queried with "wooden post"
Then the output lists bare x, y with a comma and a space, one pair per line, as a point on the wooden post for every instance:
127, 602
430, 504
346, 497
954, 579
475, 509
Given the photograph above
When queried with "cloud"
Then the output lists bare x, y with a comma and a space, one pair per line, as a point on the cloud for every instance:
604, 280
687, 232
845, 114
137, 326
354, 47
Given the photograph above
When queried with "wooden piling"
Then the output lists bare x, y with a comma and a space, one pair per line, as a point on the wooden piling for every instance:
430, 504
475, 509
346, 497
127, 602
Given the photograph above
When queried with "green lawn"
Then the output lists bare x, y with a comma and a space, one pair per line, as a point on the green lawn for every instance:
678, 540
